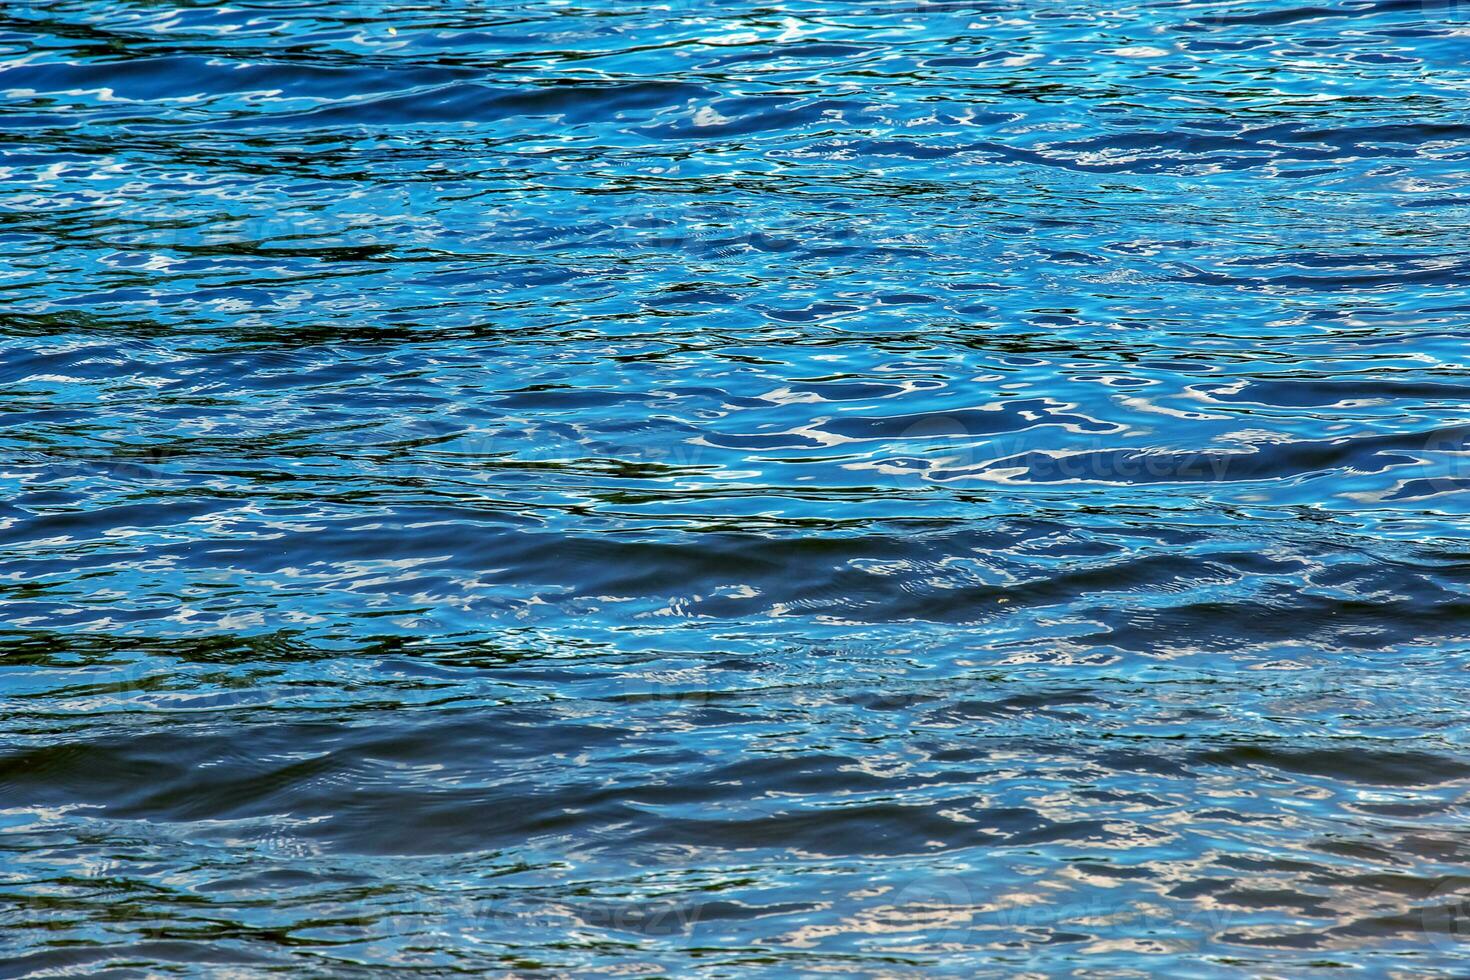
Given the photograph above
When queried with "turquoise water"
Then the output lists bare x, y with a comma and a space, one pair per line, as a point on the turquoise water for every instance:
894, 489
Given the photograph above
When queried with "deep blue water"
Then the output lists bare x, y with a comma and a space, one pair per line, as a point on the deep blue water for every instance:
839, 488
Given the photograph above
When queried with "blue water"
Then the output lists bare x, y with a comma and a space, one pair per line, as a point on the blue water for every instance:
841, 488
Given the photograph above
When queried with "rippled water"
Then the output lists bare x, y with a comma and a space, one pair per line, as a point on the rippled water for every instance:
905, 489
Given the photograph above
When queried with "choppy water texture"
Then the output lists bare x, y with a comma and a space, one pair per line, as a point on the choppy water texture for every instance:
840, 488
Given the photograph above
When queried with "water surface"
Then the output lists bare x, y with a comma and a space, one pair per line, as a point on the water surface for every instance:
585, 488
